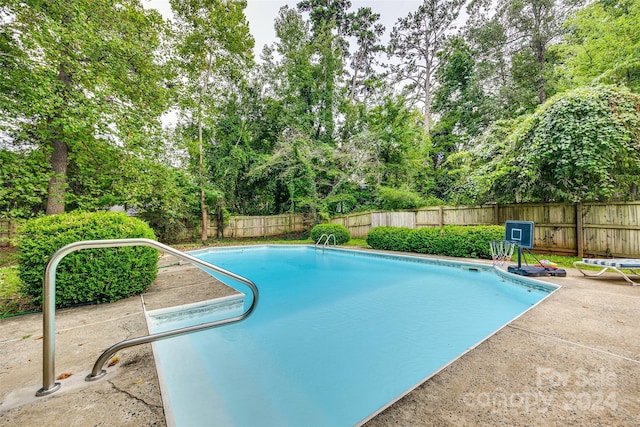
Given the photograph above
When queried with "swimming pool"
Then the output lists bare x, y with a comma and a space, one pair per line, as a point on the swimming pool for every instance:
337, 336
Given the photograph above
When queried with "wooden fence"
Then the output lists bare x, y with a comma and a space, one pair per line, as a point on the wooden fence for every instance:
254, 226
236, 227
262, 226
582, 229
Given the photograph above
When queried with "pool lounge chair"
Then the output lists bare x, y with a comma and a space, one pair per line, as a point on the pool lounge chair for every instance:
610, 264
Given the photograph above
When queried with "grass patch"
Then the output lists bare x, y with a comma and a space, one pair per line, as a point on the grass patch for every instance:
8, 257
12, 300
9, 281
358, 243
562, 261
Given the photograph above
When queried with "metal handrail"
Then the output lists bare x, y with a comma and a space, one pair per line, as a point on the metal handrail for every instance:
326, 242
49, 308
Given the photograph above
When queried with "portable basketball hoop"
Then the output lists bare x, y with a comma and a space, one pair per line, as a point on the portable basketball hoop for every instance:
520, 233
501, 251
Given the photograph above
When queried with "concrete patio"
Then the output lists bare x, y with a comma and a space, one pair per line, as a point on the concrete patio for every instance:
574, 360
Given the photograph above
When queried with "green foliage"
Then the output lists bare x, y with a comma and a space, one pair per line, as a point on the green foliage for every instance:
388, 238
486, 174
316, 126
396, 198
457, 241
340, 231
603, 45
459, 98
340, 203
83, 74
582, 145
23, 183
163, 196
89, 275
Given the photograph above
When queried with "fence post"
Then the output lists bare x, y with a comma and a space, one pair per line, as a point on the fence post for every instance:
579, 231
440, 216
496, 214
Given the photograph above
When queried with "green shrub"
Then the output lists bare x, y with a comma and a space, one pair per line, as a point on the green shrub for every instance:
340, 231
388, 238
457, 241
87, 275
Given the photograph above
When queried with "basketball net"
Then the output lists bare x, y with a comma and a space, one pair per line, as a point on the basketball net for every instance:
501, 252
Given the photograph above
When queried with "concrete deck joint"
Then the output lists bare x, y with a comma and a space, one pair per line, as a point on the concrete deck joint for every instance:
608, 353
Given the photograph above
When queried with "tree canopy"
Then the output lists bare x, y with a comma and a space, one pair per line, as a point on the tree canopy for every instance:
527, 101
80, 76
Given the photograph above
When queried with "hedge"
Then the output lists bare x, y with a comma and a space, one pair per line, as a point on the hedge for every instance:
340, 231
87, 275
451, 240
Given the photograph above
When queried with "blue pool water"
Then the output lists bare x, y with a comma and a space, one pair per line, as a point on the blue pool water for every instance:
337, 335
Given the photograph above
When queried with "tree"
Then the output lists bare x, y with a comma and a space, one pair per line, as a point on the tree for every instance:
513, 44
415, 41
582, 145
326, 14
603, 45
80, 73
459, 98
214, 47
329, 23
364, 26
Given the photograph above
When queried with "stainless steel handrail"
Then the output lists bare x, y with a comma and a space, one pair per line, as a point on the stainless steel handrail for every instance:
328, 237
326, 242
49, 308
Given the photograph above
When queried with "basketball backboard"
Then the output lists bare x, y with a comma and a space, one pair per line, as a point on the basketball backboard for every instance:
520, 232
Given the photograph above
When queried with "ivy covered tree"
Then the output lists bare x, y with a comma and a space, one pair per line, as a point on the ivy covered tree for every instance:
582, 145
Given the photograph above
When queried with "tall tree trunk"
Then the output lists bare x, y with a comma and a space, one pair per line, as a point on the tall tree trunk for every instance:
203, 205
58, 180
356, 67
542, 81
204, 235
427, 97
59, 157
539, 51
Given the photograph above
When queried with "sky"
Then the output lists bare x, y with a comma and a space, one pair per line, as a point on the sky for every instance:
262, 13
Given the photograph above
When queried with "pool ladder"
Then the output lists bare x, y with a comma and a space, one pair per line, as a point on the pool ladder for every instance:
49, 308
324, 240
